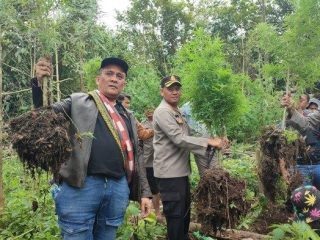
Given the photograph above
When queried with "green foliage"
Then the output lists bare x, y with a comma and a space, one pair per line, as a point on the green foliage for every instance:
156, 29
294, 53
302, 34
20, 221
294, 231
232, 22
199, 236
143, 86
209, 83
291, 135
195, 177
243, 166
255, 210
83, 135
282, 191
91, 70
30, 29
137, 228
263, 110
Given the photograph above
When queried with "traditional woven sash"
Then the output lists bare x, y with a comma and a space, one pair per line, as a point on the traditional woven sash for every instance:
117, 127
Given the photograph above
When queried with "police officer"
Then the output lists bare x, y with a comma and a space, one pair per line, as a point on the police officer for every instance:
172, 146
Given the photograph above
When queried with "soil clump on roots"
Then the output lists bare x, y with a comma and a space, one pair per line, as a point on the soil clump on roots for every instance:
278, 146
41, 140
220, 200
278, 154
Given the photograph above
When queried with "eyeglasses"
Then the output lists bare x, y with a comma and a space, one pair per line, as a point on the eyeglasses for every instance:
110, 74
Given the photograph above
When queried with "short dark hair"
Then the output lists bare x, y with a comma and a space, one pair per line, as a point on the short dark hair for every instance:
307, 95
122, 96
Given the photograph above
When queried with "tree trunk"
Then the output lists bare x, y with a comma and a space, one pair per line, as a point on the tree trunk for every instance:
1, 135
263, 9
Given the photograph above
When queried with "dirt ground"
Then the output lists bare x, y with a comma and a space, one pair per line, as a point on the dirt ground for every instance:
269, 216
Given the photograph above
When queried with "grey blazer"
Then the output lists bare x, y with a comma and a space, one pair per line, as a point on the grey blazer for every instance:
82, 111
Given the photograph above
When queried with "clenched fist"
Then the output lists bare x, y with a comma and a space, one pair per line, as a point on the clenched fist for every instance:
287, 102
43, 69
219, 143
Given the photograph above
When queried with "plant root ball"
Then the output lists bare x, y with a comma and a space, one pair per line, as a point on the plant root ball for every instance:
276, 144
220, 200
41, 140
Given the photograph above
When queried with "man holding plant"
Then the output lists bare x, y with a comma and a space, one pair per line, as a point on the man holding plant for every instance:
172, 146
93, 194
309, 127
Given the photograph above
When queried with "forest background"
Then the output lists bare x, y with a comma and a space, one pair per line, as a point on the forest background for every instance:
236, 58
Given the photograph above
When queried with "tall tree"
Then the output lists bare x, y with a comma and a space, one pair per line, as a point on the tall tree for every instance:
295, 50
156, 29
233, 20
77, 25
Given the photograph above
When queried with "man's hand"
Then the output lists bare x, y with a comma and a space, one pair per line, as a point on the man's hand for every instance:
287, 102
145, 207
43, 69
219, 143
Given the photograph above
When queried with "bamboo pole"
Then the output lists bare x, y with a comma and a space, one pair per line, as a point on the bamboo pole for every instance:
29, 89
19, 91
16, 69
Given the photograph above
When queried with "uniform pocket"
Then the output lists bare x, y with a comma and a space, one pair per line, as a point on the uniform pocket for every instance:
171, 204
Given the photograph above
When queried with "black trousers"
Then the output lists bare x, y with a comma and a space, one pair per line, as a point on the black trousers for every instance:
176, 199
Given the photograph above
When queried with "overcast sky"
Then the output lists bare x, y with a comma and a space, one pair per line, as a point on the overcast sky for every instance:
108, 7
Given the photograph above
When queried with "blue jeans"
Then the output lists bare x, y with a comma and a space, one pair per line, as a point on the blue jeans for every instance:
310, 174
93, 212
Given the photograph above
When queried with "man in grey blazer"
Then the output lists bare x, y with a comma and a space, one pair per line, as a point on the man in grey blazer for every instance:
172, 146
93, 195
